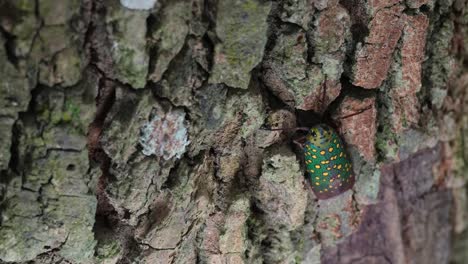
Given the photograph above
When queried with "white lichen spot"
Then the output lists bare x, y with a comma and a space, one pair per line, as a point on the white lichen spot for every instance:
138, 4
165, 136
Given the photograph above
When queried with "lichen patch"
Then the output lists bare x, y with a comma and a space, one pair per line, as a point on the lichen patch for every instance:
165, 135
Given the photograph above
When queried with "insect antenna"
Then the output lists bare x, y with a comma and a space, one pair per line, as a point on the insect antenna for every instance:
287, 128
355, 113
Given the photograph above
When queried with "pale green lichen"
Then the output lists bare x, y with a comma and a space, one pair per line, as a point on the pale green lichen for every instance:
299, 12
169, 38
107, 251
334, 221
241, 27
14, 87
313, 255
49, 207
127, 32
56, 53
25, 24
14, 98
58, 13
248, 104
288, 61
132, 65
68, 67
233, 239
367, 185
281, 173
387, 143
439, 67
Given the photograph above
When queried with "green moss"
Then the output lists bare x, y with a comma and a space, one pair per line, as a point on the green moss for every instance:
107, 249
130, 70
298, 258
386, 143
72, 112
56, 117
66, 117
25, 5
250, 5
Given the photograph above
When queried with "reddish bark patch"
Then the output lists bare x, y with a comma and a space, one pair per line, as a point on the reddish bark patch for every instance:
320, 98
357, 119
404, 97
225, 137
212, 233
374, 59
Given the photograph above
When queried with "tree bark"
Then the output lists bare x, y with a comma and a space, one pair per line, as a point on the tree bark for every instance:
138, 131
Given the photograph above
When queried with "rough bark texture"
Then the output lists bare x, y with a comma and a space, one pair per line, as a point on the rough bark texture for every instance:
132, 131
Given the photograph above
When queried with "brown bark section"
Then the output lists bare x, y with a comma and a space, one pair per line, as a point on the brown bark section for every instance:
374, 59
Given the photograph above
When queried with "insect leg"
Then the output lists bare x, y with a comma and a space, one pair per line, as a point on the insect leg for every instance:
298, 141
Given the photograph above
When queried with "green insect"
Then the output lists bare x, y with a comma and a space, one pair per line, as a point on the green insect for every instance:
327, 162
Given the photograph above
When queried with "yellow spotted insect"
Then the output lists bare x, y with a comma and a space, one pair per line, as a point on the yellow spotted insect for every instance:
328, 165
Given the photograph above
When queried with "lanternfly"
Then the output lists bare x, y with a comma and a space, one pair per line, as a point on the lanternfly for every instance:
328, 165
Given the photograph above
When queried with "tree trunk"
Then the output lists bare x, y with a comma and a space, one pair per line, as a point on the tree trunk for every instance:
137, 131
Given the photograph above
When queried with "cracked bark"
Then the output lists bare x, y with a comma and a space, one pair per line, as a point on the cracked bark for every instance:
138, 135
